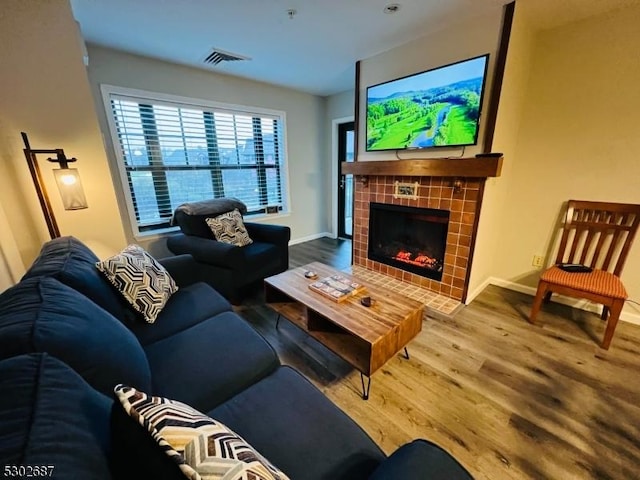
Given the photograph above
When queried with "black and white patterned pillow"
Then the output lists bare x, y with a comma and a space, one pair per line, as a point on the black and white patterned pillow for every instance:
229, 228
141, 280
202, 447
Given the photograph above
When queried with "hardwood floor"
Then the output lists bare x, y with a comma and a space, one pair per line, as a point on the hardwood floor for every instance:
509, 400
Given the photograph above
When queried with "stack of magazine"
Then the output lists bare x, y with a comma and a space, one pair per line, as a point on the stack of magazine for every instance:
336, 287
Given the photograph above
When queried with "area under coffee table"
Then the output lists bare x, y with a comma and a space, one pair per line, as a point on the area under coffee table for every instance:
365, 337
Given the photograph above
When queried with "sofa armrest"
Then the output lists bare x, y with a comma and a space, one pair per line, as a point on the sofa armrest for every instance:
181, 268
420, 460
204, 250
260, 232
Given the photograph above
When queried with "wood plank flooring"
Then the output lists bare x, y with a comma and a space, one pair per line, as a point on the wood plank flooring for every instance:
509, 400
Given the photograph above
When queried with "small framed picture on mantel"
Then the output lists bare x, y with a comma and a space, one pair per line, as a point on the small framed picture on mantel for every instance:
406, 190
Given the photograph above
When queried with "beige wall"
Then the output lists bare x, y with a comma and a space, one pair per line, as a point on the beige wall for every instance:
467, 39
44, 92
11, 265
489, 243
305, 119
578, 139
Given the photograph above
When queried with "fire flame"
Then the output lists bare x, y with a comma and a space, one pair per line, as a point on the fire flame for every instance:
420, 260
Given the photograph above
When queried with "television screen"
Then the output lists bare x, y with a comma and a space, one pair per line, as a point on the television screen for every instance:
436, 108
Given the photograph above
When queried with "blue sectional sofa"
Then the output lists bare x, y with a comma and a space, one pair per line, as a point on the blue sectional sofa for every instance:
67, 338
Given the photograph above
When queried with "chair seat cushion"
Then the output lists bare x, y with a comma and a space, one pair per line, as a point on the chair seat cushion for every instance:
259, 253
598, 282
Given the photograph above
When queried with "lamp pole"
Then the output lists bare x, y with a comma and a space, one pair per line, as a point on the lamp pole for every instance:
41, 190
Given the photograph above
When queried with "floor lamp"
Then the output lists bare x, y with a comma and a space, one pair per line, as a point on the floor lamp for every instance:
68, 181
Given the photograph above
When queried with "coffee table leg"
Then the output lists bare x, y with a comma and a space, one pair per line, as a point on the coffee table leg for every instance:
365, 392
406, 353
278, 320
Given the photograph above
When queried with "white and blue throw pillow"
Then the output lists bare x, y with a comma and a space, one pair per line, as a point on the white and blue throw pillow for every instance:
203, 448
141, 280
229, 228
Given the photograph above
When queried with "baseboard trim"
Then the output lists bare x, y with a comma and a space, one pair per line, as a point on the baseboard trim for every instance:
308, 238
471, 296
572, 302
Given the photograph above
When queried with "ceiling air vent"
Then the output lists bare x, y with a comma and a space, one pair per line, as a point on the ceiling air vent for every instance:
217, 56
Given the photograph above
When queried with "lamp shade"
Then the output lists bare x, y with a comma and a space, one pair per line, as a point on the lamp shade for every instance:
70, 186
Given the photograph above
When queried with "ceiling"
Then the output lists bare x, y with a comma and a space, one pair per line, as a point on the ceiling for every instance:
315, 51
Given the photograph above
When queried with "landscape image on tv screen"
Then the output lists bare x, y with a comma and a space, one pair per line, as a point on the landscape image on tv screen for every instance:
436, 108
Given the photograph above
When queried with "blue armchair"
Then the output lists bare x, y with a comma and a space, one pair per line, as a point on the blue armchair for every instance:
228, 268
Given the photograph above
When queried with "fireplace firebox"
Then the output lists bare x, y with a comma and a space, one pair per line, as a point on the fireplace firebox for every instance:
410, 238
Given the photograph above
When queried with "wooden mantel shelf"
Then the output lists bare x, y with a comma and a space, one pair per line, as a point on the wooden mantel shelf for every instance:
427, 167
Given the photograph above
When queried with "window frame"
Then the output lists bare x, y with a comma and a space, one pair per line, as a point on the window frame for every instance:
138, 96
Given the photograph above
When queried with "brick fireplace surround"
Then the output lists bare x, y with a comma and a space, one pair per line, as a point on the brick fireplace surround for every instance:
433, 192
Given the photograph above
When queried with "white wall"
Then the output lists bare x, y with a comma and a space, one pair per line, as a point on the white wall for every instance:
305, 119
339, 107
44, 92
466, 39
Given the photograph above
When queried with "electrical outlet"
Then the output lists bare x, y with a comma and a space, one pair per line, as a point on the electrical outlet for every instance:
538, 261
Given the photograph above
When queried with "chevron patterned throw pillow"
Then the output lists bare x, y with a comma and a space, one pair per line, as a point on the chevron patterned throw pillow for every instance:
141, 280
229, 228
202, 447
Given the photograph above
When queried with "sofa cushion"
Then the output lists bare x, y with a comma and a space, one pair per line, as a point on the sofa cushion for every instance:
191, 216
216, 359
229, 228
70, 261
321, 441
141, 280
421, 459
199, 300
43, 315
49, 416
199, 445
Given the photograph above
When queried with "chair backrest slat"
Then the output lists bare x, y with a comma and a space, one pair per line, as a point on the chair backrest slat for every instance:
601, 241
565, 234
575, 243
615, 237
591, 232
598, 234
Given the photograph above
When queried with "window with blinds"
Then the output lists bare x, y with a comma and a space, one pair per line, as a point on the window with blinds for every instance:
170, 153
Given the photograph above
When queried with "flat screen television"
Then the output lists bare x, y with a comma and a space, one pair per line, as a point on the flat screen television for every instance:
435, 108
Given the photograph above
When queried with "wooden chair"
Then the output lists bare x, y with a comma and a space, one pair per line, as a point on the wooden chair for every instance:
598, 235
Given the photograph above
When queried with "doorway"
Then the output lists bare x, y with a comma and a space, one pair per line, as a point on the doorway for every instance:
345, 182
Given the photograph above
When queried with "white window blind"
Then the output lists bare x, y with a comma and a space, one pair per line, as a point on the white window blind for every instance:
171, 153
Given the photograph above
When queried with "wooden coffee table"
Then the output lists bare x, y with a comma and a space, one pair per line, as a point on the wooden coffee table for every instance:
365, 337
